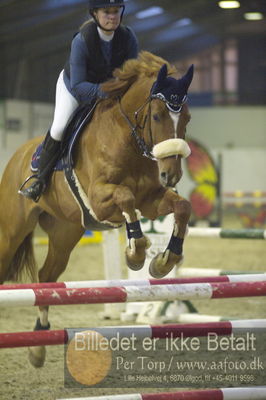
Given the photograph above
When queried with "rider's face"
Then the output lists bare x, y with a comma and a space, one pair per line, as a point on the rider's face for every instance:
109, 17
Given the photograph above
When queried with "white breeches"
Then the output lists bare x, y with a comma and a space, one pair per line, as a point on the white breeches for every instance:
65, 105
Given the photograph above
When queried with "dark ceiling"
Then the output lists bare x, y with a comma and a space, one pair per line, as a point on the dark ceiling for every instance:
41, 30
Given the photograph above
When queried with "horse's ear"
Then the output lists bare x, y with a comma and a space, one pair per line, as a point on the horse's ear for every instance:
187, 78
162, 74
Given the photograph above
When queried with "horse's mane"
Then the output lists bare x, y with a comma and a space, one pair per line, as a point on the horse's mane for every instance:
146, 65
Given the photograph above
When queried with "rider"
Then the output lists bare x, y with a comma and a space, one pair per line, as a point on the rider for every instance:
101, 45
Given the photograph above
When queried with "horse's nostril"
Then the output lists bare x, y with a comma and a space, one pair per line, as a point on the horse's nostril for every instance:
164, 175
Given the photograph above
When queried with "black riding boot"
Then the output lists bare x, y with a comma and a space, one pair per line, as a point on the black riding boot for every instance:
48, 159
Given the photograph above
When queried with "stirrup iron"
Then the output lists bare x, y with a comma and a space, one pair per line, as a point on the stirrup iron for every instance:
26, 181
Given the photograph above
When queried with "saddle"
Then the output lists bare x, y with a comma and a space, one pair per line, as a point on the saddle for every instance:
79, 119
65, 163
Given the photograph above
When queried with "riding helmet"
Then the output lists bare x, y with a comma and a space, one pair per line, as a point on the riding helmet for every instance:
105, 3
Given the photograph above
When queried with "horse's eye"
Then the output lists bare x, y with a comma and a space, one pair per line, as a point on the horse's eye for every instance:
156, 117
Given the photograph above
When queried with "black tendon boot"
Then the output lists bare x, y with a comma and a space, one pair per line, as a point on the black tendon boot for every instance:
48, 158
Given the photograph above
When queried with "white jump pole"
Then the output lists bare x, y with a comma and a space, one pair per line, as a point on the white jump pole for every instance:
112, 269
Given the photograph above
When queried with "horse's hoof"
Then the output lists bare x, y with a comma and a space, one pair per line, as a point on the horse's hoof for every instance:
160, 267
134, 265
37, 356
136, 252
154, 268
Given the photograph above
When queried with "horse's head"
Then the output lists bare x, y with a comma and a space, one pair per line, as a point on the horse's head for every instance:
169, 117
158, 125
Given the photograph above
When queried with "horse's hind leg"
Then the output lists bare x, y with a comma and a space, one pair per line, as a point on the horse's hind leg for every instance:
63, 236
16, 251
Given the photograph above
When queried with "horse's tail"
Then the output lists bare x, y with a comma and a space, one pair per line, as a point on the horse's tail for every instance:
23, 261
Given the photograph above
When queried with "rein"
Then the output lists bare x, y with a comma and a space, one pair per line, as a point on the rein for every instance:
144, 148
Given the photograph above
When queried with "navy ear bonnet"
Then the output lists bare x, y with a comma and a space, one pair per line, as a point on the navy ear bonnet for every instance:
172, 91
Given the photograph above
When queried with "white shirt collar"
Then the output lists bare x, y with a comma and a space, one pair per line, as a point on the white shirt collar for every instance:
103, 36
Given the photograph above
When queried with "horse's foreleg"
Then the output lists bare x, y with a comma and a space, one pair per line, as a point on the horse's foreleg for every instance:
138, 243
164, 262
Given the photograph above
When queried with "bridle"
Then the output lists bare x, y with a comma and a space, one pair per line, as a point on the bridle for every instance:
142, 145
135, 128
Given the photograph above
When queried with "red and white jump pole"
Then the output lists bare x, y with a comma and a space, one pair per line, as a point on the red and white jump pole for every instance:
136, 282
63, 336
247, 393
100, 295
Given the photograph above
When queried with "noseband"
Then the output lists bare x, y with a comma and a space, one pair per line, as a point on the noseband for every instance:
163, 149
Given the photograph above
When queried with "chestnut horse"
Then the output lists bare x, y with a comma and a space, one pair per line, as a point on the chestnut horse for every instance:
127, 160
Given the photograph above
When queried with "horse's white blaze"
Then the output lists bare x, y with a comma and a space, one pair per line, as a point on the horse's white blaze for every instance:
172, 147
175, 119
